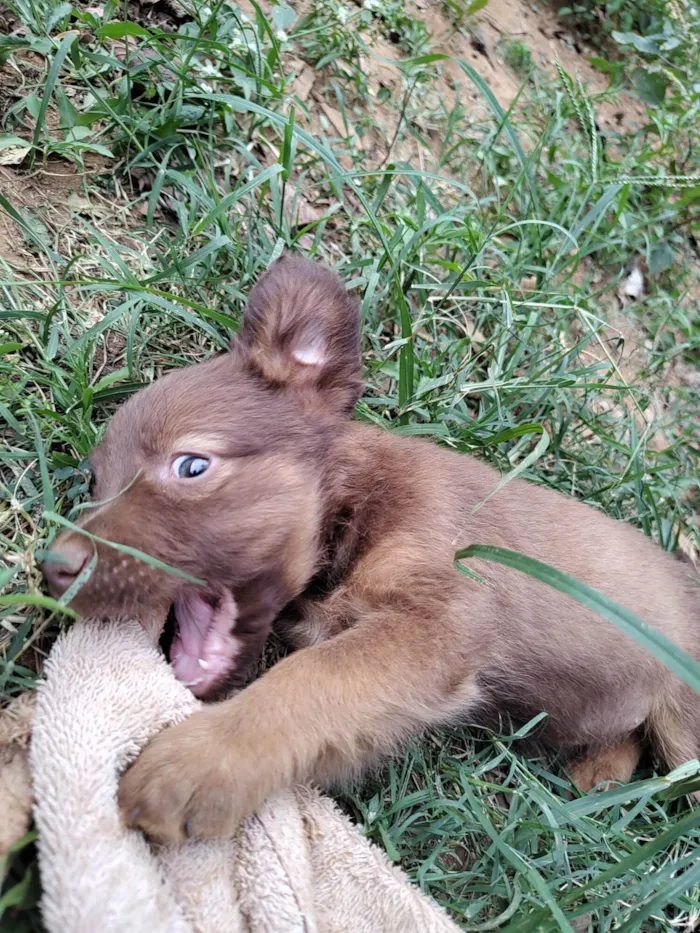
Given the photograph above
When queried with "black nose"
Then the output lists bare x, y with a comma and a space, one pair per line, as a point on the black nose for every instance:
63, 565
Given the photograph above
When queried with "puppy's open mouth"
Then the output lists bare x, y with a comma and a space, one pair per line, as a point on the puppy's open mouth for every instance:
203, 649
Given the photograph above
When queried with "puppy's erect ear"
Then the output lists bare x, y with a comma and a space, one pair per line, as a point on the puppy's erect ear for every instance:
301, 330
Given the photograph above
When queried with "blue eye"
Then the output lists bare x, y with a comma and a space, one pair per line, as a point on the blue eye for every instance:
189, 466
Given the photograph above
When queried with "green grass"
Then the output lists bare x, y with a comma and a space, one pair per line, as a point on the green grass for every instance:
488, 270
518, 57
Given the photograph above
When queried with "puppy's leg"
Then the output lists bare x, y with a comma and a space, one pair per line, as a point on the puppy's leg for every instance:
315, 715
613, 765
674, 725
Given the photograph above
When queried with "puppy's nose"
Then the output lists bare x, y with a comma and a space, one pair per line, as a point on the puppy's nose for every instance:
63, 565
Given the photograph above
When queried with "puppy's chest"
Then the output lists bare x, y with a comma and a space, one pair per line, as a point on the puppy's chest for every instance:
307, 622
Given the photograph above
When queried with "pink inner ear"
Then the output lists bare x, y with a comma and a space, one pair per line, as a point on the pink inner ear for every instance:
312, 353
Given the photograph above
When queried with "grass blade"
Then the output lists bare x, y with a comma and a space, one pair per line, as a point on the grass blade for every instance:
51, 78
504, 122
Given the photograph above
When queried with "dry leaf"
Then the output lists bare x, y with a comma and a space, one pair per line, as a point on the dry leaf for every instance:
299, 211
633, 285
304, 81
13, 155
335, 118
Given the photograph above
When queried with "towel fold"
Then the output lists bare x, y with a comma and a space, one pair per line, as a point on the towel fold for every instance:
15, 778
298, 865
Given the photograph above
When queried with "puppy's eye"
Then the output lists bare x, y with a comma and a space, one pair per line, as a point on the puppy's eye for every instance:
189, 466
92, 480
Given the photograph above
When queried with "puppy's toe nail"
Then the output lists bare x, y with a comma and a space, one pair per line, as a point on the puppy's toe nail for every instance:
188, 829
133, 816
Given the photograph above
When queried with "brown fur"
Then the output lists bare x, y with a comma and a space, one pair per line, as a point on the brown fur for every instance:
344, 536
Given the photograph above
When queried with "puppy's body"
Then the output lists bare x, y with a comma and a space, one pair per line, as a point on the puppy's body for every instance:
514, 647
344, 536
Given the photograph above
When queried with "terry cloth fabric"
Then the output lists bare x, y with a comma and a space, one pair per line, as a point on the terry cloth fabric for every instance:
15, 778
299, 866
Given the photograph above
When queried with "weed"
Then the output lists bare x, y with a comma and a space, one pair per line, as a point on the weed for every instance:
518, 57
457, 11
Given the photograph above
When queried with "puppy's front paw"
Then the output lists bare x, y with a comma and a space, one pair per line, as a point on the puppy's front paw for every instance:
193, 779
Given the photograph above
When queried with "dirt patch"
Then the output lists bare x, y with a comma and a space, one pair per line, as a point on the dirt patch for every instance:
40, 195
480, 41
542, 32
46, 199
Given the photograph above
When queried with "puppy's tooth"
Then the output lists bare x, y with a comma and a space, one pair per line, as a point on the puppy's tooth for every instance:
205, 665
193, 683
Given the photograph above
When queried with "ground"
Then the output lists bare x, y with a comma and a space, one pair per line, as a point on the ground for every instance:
522, 234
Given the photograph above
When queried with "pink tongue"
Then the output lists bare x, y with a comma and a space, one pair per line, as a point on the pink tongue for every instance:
204, 649
194, 618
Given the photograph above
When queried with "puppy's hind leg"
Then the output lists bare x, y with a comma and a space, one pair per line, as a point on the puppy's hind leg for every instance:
674, 727
674, 730
613, 764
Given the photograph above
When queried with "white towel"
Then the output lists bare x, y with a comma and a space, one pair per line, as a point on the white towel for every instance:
298, 865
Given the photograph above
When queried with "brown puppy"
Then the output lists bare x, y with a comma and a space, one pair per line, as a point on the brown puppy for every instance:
246, 471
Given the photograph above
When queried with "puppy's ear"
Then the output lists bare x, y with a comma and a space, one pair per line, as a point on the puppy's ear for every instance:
301, 331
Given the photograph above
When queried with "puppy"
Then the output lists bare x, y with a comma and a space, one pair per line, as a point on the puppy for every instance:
247, 473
